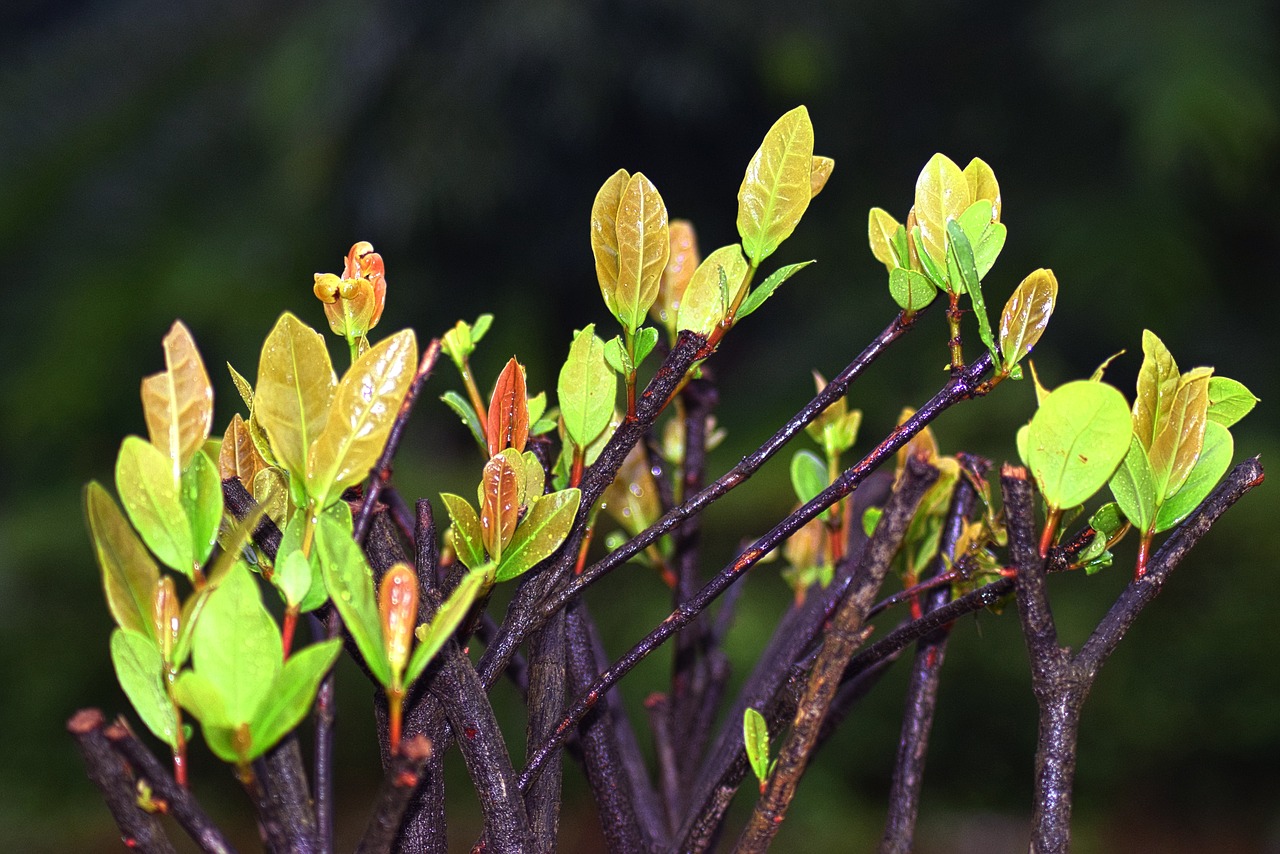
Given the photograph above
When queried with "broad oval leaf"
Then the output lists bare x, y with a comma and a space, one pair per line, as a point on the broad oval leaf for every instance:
152, 500
766, 288
681, 262
1180, 435
543, 530
236, 645
808, 475
178, 401
291, 696
1077, 438
985, 236
881, 232
363, 410
508, 425
587, 389
909, 289
129, 575
1025, 316
467, 540
433, 636
140, 671
1157, 385
1212, 464
349, 580
1229, 401
202, 503
942, 194
501, 490
644, 244
983, 185
238, 457
705, 303
296, 384
1134, 487
604, 235
777, 186
819, 175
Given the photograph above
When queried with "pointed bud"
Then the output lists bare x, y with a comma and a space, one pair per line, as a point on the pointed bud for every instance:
398, 608
167, 614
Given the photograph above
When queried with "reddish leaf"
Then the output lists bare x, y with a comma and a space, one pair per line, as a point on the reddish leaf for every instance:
508, 425
500, 490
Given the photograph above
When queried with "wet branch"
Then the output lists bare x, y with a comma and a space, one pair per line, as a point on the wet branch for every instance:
401, 779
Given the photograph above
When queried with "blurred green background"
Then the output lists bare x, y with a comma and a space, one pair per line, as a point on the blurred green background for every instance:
202, 160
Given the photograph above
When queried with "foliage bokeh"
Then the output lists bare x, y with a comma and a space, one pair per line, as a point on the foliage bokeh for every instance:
201, 162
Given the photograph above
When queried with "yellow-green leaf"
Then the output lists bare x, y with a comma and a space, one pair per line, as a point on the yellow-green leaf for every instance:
705, 301
543, 530
881, 228
604, 235
1076, 440
777, 186
468, 541
140, 670
942, 193
1157, 384
1180, 435
1229, 400
178, 401
361, 415
154, 503
1025, 316
644, 245
129, 575
820, 174
983, 185
587, 389
295, 388
434, 635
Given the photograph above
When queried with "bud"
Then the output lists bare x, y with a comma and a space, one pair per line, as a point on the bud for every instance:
167, 616
353, 302
398, 608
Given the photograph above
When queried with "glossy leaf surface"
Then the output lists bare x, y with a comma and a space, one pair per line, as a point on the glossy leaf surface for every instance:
819, 175
467, 538
755, 737
238, 456
349, 580
236, 645
1134, 487
681, 262
983, 185
1077, 438
364, 408
942, 194
140, 670
508, 425
464, 410
290, 698
604, 235
912, 291
129, 575
296, 384
398, 609
153, 502
777, 186
1180, 434
705, 303
433, 636
1026, 315
1157, 385
1229, 401
882, 230
765, 289
542, 531
178, 401
501, 491
587, 389
644, 244
202, 502
1212, 464
808, 475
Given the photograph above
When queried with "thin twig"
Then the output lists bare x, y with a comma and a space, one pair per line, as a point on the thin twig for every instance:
139, 829
400, 780
841, 638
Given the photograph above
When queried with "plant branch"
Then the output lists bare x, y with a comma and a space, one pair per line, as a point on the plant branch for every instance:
400, 780
283, 785
181, 803
140, 830
546, 699
845, 633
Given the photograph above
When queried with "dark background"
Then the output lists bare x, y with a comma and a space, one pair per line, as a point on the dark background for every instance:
202, 160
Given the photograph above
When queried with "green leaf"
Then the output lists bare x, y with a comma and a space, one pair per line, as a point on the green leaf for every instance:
129, 575
535, 406
150, 497
1229, 401
291, 696
1108, 519
777, 186
236, 645
587, 389
704, 305
467, 536
808, 475
615, 354
463, 409
882, 230
909, 289
942, 194
432, 637
202, 502
1134, 487
646, 340
178, 401
350, 583
544, 528
198, 694
759, 294
1214, 460
1077, 438
296, 384
1180, 435
644, 245
961, 255
870, 519
1025, 316
1157, 385
362, 412
755, 737
937, 275
140, 670
985, 236
243, 387
293, 577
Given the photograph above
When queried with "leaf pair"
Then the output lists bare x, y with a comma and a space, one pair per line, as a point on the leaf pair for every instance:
631, 243
328, 434
244, 695
544, 527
